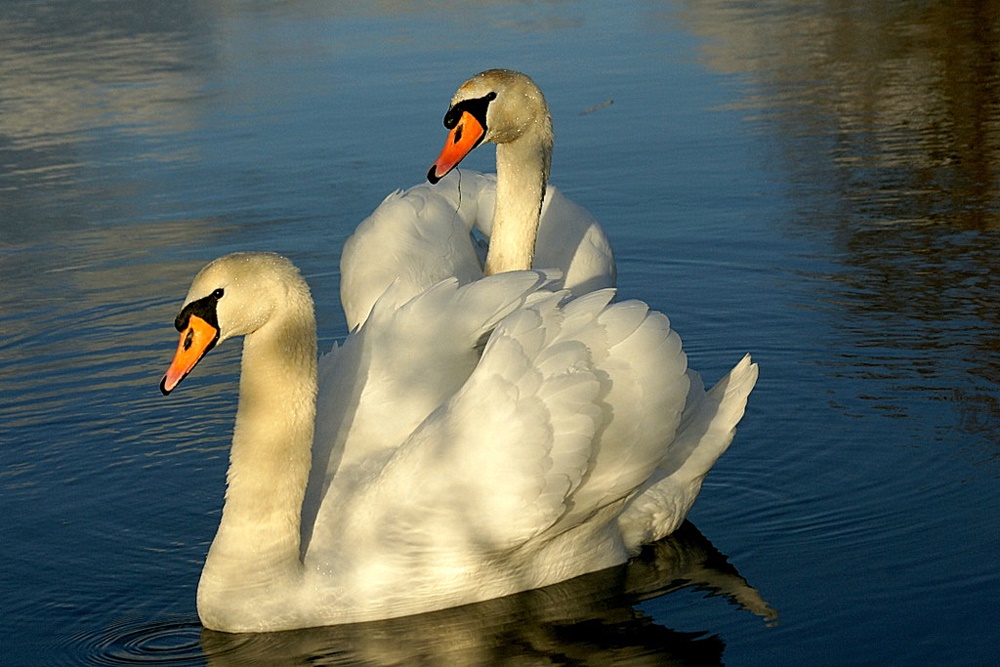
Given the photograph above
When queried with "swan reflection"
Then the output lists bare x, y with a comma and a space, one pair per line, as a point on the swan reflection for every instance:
592, 618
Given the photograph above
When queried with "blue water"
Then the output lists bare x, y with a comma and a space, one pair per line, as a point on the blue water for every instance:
816, 184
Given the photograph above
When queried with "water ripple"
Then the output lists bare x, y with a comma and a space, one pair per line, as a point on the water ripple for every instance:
164, 642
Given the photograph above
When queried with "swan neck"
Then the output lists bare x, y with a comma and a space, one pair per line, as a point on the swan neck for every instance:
258, 540
522, 172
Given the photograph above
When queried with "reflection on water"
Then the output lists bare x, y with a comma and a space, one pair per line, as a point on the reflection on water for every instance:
589, 620
75, 87
886, 117
902, 97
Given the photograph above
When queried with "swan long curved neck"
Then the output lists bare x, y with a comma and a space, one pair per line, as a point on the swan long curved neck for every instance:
522, 173
257, 544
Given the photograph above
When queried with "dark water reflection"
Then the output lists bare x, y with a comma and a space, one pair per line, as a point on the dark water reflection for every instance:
886, 118
589, 620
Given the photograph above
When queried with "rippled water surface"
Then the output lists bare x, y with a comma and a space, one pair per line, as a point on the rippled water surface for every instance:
815, 183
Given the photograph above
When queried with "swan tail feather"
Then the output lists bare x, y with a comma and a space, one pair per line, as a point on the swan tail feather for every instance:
707, 427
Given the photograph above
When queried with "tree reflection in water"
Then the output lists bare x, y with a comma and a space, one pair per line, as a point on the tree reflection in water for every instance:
886, 119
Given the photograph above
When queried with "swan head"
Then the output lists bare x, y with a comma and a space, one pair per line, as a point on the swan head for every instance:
498, 106
235, 295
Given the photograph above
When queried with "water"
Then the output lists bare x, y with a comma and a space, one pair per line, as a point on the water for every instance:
816, 183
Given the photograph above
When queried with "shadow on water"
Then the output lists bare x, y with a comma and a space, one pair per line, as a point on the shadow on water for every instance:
885, 118
591, 619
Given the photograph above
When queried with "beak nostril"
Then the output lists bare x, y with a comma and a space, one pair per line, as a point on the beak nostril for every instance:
188, 339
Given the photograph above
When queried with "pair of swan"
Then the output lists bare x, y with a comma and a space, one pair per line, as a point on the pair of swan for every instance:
475, 435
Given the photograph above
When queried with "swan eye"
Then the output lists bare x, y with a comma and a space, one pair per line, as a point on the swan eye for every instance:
203, 308
451, 118
477, 107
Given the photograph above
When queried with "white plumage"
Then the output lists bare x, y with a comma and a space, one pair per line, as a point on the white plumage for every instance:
441, 476
474, 436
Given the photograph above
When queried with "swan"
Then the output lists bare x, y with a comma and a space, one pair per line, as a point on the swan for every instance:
552, 437
421, 236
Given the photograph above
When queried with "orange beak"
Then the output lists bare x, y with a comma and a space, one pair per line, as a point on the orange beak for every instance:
196, 340
466, 135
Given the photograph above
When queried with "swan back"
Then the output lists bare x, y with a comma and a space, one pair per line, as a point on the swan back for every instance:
516, 478
418, 237
413, 240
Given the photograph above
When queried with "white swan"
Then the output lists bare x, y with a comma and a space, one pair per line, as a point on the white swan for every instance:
558, 446
418, 237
